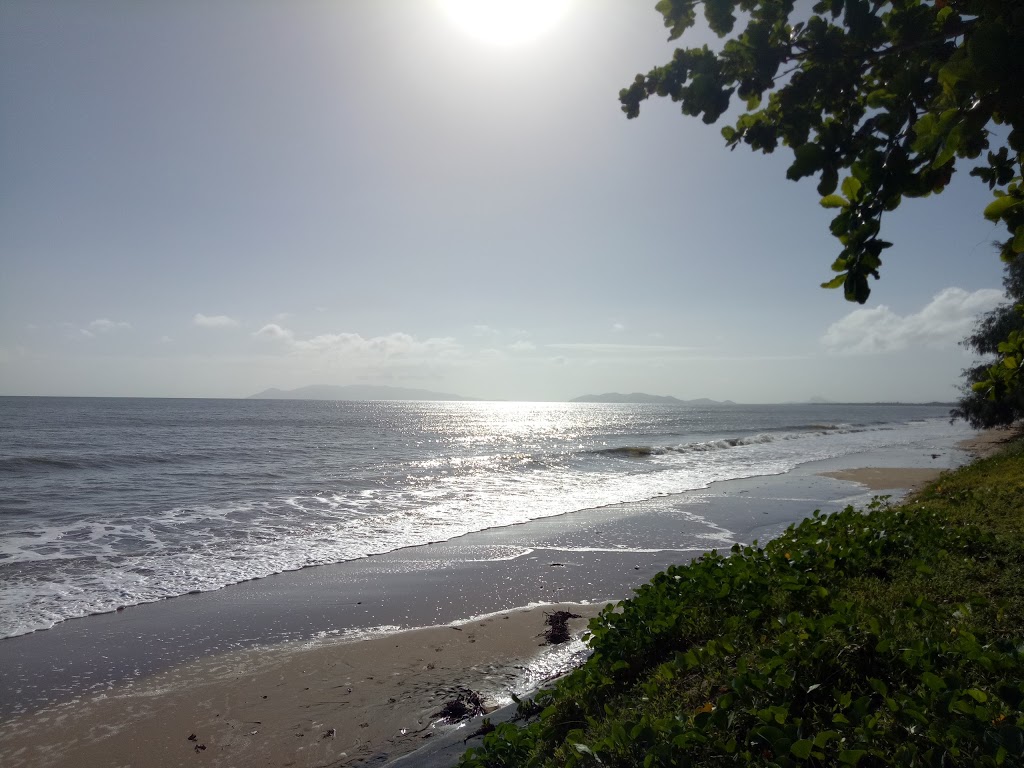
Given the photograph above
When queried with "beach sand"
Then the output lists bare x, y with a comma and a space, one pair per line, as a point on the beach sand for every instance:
887, 478
913, 478
989, 441
335, 704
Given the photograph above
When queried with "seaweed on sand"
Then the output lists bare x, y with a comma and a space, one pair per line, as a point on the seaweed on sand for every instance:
465, 705
558, 626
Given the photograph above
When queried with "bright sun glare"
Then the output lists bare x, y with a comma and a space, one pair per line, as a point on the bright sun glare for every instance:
505, 22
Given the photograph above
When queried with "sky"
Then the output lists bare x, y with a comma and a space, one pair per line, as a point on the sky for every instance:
208, 199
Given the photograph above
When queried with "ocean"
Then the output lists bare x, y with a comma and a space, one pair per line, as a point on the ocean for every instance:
106, 503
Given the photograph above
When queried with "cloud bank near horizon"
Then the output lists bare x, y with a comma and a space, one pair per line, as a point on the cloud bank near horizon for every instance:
942, 322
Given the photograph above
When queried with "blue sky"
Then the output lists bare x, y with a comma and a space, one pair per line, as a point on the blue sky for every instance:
208, 199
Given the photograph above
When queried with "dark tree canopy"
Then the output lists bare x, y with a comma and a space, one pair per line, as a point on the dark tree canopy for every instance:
879, 100
993, 328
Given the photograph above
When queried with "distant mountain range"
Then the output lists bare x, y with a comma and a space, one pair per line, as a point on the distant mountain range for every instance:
643, 397
353, 392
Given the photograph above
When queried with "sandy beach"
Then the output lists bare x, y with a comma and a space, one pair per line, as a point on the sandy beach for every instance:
989, 441
887, 478
912, 478
334, 703
261, 672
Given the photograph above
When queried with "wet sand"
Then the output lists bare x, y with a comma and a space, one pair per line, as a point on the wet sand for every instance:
339, 703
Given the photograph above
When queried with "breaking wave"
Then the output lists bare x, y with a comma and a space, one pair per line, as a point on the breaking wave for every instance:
725, 443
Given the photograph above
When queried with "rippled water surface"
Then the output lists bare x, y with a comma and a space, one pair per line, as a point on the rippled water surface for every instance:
111, 502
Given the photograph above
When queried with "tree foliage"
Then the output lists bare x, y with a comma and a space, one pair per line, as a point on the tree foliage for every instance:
993, 330
878, 99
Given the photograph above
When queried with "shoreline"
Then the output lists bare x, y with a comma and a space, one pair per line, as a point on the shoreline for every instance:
595, 555
982, 444
598, 554
114, 606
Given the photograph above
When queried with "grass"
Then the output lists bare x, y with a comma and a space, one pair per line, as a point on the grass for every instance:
891, 636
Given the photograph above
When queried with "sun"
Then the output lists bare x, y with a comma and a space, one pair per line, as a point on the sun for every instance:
505, 22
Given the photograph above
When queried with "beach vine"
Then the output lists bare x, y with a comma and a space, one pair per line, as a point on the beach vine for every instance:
892, 636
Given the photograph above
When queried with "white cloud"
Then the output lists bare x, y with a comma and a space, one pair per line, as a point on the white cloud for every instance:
484, 330
355, 349
166, 339
213, 321
274, 331
618, 327
522, 346
103, 325
614, 348
943, 322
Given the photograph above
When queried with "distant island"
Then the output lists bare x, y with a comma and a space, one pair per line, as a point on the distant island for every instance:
353, 392
643, 397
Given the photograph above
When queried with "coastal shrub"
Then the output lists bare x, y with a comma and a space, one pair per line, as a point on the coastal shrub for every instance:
893, 636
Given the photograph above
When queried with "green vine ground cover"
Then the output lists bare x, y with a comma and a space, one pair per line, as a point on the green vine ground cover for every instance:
891, 636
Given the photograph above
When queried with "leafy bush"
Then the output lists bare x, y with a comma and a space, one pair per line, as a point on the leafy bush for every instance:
892, 637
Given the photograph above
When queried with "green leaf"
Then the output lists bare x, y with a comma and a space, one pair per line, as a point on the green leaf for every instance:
925, 132
877, 99
829, 180
584, 749
933, 681
802, 748
834, 201
807, 160
995, 209
851, 186
855, 288
825, 737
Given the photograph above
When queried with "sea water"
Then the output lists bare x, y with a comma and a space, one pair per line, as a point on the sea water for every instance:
114, 502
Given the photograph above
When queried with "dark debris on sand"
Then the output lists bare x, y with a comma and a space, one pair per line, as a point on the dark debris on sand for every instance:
465, 705
558, 626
